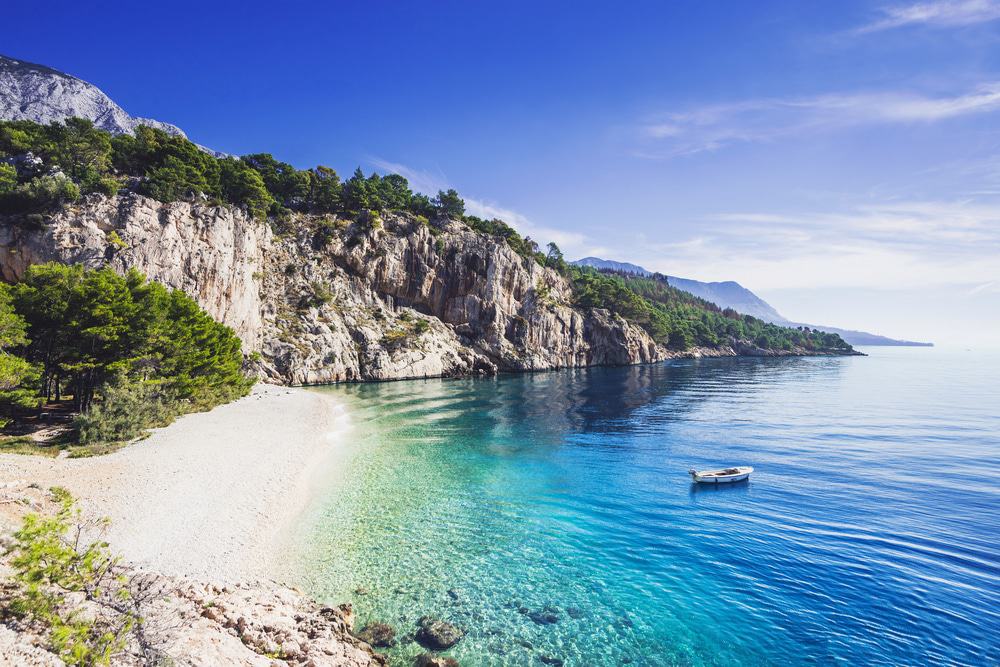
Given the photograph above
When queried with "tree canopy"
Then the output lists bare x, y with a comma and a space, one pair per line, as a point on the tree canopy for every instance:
73, 158
82, 331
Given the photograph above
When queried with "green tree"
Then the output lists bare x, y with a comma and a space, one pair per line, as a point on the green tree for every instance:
287, 185
325, 190
357, 194
8, 178
82, 151
242, 185
88, 329
394, 192
17, 375
449, 204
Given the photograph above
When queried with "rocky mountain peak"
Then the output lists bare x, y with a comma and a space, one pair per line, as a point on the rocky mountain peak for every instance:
29, 91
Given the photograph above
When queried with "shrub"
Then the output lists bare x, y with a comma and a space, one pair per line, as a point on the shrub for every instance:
125, 411
49, 560
43, 193
115, 241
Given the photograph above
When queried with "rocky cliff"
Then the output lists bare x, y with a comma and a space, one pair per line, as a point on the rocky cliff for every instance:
331, 299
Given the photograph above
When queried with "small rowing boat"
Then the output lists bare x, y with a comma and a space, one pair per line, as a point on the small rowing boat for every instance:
721, 476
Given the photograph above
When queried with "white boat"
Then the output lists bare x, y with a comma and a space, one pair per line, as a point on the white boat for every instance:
723, 476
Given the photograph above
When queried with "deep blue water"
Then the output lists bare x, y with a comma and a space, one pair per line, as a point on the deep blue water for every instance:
868, 535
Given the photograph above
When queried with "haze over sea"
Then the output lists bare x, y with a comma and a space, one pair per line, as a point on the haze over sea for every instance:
550, 514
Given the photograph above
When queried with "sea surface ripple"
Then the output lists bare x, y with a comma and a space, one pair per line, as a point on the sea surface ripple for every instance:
550, 515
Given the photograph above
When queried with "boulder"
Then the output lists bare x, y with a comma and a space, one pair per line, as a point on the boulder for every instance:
378, 634
428, 660
436, 634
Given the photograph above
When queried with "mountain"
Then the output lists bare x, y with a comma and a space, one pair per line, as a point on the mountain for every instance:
44, 95
730, 294
29, 91
611, 265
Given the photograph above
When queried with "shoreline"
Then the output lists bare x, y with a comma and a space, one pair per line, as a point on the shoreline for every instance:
214, 495
693, 353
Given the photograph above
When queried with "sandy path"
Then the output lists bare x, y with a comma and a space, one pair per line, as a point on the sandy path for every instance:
213, 495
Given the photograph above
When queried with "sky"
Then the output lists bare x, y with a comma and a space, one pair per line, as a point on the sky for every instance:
840, 159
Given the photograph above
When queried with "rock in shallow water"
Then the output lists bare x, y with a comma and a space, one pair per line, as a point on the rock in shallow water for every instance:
428, 660
545, 616
378, 634
437, 634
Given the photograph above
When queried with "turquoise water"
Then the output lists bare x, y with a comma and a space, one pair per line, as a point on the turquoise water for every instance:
868, 535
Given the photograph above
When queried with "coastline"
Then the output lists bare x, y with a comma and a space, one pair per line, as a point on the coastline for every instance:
215, 495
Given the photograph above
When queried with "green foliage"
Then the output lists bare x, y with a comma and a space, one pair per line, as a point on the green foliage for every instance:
681, 320
8, 179
407, 329
17, 375
499, 229
79, 158
49, 560
116, 241
96, 333
287, 185
320, 294
242, 185
325, 190
376, 193
42, 193
449, 204
554, 258
126, 410
370, 219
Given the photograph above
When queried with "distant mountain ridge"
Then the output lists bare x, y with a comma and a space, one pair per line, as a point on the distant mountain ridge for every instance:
29, 91
730, 294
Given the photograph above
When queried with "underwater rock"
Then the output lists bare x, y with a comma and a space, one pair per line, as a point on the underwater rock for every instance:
437, 634
428, 660
548, 660
378, 634
547, 615
574, 612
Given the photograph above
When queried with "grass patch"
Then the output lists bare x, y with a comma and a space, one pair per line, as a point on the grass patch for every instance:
19, 444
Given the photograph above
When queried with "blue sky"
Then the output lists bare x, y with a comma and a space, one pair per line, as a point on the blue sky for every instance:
841, 159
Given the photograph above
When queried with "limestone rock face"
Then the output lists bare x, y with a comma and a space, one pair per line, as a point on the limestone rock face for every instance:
210, 252
333, 300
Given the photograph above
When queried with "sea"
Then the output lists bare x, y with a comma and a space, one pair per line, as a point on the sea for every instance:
550, 515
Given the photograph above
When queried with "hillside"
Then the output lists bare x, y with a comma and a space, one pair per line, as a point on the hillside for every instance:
331, 280
730, 294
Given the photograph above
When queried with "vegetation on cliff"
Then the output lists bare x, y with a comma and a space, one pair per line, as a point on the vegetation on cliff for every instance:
73, 158
680, 320
125, 353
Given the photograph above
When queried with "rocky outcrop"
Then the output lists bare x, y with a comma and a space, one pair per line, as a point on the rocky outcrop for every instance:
333, 300
184, 621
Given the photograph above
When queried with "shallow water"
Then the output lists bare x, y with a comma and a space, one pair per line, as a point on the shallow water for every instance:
868, 535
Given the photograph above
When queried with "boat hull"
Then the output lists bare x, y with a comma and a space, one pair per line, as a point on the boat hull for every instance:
726, 476
721, 480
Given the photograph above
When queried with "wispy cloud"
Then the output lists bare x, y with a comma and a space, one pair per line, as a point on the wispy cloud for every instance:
573, 244
935, 13
713, 127
897, 245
